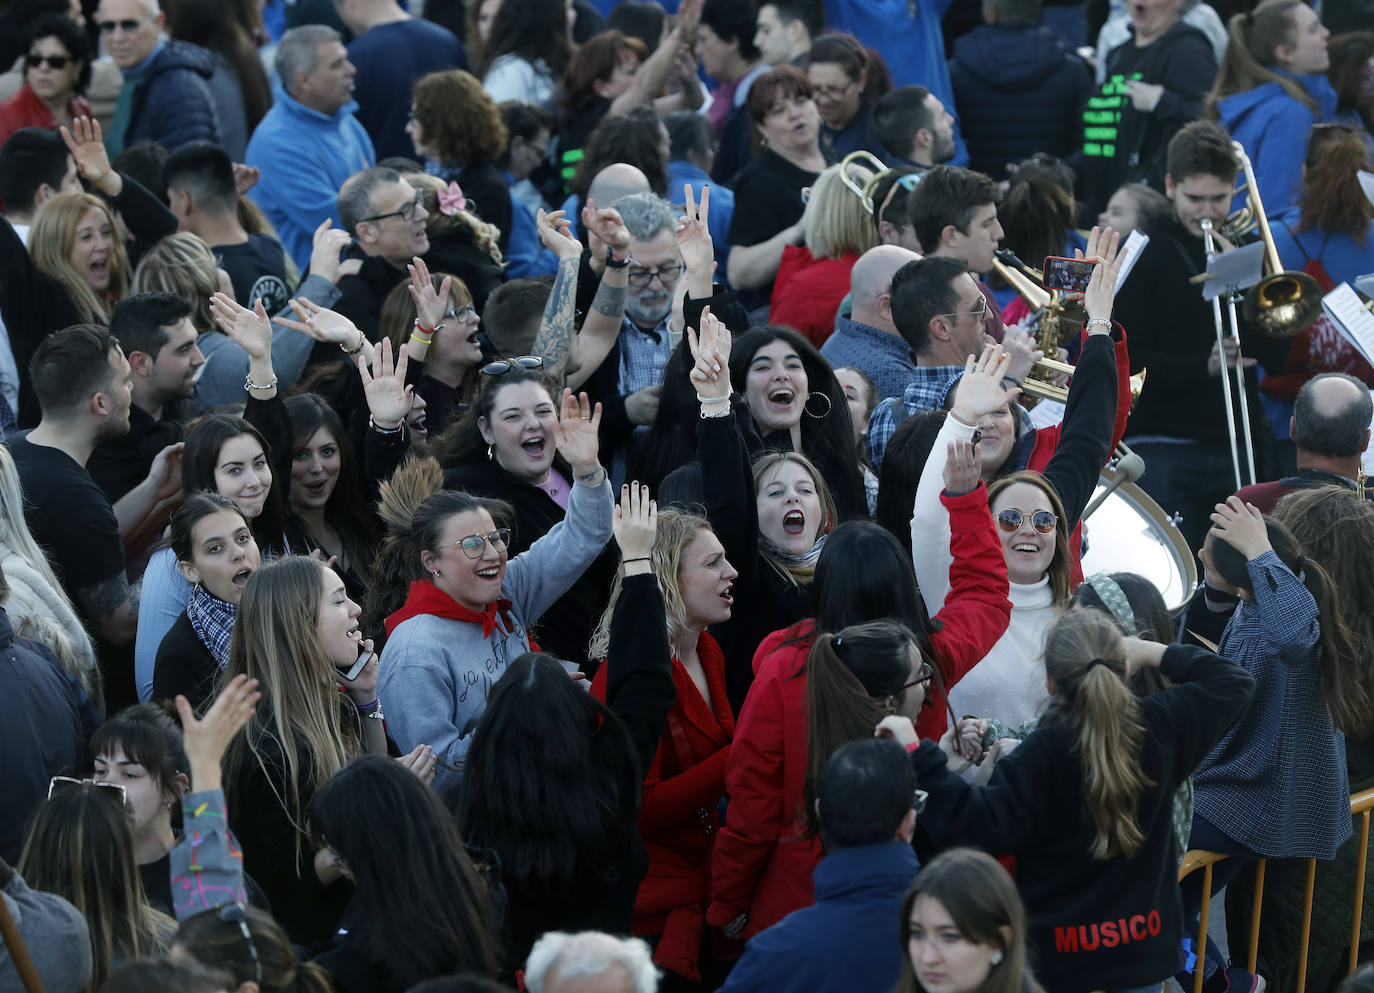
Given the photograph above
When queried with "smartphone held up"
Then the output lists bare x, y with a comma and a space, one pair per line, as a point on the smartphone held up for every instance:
1069, 275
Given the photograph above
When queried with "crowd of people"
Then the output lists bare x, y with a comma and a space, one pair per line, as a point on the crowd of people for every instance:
565, 495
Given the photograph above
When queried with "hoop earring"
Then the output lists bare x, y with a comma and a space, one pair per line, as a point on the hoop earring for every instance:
806, 409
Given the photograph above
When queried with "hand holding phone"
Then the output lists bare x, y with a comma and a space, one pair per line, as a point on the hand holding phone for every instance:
1069, 275
364, 656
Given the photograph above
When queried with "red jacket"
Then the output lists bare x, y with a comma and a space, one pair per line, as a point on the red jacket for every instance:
807, 292
25, 110
762, 861
678, 819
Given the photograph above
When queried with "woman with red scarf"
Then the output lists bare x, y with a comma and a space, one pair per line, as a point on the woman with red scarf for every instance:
461, 626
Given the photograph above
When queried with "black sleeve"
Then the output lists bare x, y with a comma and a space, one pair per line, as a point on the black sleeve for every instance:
727, 488
639, 676
83, 536
383, 454
754, 221
1085, 440
272, 422
179, 667
33, 306
723, 304
146, 217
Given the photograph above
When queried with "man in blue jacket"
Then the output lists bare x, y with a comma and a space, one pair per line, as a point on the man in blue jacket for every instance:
166, 94
309, 142
847, 942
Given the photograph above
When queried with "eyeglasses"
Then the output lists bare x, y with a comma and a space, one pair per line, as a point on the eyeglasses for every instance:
234, 913
406, 213
474, 544
924, 675
639, 276
465, 314
128, 26
831, 92
502, 366
1010, 520
982, 313
51, 61
61, 784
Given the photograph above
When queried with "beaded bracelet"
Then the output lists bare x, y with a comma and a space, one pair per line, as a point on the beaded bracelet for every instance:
248, 383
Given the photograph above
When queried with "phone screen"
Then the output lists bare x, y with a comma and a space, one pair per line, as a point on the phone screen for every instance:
1070, 275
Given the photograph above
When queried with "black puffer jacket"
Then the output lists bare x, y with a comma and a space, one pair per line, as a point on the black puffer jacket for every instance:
1017, 91
173, 105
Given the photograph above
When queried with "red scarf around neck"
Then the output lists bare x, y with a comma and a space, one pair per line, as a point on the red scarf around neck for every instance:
426, 598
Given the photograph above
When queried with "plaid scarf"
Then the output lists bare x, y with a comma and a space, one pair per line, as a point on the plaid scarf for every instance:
213, 621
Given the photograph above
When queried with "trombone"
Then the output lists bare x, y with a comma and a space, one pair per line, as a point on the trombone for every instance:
857, 164
1280, 305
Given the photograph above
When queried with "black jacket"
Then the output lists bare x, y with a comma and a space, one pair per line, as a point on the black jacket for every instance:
184, 666
1017, 91
173, 105
1096, 924
1172, 334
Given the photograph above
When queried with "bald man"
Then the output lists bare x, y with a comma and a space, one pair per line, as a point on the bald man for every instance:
868, 339
1330, 427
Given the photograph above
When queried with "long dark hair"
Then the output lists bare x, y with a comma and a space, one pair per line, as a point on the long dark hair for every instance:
853, 680
426, 909
461, 443
553, 814
671, 441
146, 734
346, 511
1336, 528
1339, 664
204, 440
211, 24
828, 439
531, 29
903, 461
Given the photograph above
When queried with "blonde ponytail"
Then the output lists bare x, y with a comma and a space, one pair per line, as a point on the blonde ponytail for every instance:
1086, 659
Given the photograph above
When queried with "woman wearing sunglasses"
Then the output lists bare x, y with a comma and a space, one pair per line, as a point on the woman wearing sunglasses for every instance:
507, 448
468, 611
56, 74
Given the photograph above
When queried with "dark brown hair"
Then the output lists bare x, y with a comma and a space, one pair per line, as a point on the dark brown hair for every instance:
595, 62
782, 83
458, 118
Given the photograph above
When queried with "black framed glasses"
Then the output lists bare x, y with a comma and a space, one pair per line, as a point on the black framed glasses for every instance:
51, 61
59, 784
924, 675
474, 544
465, 313
667, 274
128, 25
235, 913
1010, 520
500, 367
406, 213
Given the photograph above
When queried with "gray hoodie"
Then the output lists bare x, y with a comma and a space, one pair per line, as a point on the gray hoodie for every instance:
57, 938
436, 672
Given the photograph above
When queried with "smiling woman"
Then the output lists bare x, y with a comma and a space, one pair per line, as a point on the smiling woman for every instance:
74, 240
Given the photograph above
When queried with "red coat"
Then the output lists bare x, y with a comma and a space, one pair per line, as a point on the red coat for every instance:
763, 861
25, 110
679, 819
807, 292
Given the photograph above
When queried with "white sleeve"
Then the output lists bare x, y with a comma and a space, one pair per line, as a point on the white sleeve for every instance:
930, 535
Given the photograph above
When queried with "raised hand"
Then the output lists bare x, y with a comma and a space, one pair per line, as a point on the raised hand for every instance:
245, 177
388, 397
555, 232
87, 146
430, 304
577, 433
363, 689
166, 471
322, 324
1103, 246
326, 244
980, 389
1241, 525
1020, 346
207, 739
693, 236
635, 522
605, 225
963, 468
249, 329
711, 353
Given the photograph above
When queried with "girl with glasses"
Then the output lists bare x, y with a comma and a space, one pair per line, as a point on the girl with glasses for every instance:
1085, 803
847, 79
507, 448
469, 607
57, 72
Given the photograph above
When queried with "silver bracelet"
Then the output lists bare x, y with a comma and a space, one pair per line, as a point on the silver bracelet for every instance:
248, 383
705, 400
1106, 323
372, 424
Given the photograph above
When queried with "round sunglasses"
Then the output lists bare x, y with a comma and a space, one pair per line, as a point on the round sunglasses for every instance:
1010, 520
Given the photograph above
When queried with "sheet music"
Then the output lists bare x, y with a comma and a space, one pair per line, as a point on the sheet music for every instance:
1367, 459
1348, 312
1367, 183
1135, 244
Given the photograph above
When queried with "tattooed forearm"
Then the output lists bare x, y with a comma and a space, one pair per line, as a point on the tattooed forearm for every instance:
554, 340
609, 301
111, 607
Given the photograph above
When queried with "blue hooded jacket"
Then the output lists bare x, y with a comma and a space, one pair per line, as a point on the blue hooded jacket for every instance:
1274, 127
